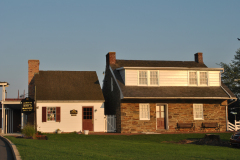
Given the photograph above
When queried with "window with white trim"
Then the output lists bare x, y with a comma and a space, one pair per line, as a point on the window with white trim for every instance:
193, 78
198, 111
153, 77
148, 78
51, 113
198, 78
143, 78
144, 111
203, 78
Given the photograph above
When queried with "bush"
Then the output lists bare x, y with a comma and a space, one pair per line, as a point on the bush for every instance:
29, 131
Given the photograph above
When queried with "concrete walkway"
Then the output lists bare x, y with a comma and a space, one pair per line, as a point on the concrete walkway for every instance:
5, 150
8, 150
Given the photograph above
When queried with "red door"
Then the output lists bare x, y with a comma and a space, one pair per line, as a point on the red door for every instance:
160, 115
87, 118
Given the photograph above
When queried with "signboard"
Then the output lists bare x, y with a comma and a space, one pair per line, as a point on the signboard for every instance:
73, 112
27, 105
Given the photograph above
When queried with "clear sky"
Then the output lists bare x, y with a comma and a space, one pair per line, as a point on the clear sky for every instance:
75, 35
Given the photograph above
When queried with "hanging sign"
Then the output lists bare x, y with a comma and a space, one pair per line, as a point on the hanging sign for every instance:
27, 105
73, 112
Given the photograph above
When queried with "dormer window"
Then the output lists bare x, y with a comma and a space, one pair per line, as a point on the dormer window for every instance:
193, 78
148, 78
203, 78
198, 78
153, 77
143, 76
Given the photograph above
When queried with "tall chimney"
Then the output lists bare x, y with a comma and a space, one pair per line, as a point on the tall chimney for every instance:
33, 68
111, 58
198, 57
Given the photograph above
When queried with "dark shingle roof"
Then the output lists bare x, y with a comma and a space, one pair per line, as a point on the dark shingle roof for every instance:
172, 91
146, 63
68, 85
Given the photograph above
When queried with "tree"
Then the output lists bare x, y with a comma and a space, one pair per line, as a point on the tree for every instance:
231, 74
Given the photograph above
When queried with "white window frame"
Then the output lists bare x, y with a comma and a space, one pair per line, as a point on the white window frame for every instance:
139, 78
198, 78
55, 114
147, 115
148, 78
194, 111
189, 78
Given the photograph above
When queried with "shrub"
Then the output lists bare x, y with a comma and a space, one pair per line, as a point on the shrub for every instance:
29, 131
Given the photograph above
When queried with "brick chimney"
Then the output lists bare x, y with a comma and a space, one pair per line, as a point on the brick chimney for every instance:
110, 58
198, 57
33, 68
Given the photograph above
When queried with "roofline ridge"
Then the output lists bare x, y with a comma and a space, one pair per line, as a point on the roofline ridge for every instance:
154, 60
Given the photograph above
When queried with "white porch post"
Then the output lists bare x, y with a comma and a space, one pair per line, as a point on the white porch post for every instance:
22, 120
3, 109
227, 117
3, 113
235, 125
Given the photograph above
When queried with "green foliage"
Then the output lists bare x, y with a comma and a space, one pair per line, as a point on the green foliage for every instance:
73, 146
231, 74
29, 130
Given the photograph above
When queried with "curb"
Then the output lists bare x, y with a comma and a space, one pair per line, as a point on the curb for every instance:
13, 147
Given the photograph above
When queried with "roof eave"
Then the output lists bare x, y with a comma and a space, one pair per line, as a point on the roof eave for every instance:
172, 68
179, 98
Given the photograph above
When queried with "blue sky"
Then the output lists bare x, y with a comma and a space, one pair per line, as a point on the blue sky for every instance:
76, 35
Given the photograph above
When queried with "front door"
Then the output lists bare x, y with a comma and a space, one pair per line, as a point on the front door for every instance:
87, 118
160, 115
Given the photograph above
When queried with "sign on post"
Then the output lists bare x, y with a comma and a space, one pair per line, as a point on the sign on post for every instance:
27, 105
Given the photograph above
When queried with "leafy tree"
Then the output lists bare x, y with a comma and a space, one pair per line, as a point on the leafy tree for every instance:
231, 74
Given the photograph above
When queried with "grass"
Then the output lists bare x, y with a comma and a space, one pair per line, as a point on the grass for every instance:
73, 146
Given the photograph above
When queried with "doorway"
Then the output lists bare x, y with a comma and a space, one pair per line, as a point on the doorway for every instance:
160, 116
87, 118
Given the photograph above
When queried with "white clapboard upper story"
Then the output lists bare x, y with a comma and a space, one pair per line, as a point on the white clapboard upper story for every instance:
170, 76
166, 79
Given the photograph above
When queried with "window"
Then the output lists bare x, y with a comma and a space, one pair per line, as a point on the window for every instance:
193, 78
203, 78
198, 111
198, 78
153, 77
51, 114
144, 111
143, 78
148, 78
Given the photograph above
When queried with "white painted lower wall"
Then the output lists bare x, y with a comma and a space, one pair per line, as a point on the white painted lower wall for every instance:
70, 123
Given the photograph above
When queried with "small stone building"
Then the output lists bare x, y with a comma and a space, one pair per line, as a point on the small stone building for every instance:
165, 96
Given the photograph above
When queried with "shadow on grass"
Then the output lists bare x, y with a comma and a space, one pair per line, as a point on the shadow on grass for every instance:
201, 141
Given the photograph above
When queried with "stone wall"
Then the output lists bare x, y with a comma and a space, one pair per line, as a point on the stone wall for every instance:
213, 111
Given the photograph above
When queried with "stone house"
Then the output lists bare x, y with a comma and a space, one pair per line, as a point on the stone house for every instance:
66, 100
165, 96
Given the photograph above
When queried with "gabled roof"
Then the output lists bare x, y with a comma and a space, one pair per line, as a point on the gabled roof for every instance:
148, 63
68, 85
168, 92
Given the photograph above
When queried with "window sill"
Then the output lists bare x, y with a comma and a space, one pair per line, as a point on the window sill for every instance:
198, 119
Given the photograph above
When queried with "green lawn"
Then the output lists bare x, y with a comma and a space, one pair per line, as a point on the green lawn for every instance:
73, 146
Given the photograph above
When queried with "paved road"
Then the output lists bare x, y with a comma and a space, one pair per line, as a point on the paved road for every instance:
5, 151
